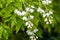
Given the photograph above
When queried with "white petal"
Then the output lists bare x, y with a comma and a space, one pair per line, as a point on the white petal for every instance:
50, 20
23, 13
16, 10
31, 10
46, 2
46, 19
18, 13
31, 17
35, 30
44, 15
43, 2
31, 23
29, 26
27, 23
32, 6
36, 37
40, 10
25, 18
27, 9
29, 32
50, 1
31, 37
47, 22
50, 12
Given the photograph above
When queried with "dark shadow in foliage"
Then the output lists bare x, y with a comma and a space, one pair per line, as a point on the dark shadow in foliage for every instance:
46, 35
0, 19
21, 35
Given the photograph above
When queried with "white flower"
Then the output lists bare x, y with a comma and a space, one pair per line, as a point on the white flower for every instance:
20, 13
31, 37
47, 14
46, 19
32, 6
35, 30
27, 23
29, 32
31, 17
50, 20
36, 37
31, 10
29, 26
16, 10
23, 13
40, 10
31, 23
46, 2
27, 9
50, 12
24, 18
47, 22
44, 15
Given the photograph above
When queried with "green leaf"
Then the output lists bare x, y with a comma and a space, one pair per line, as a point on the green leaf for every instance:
5, 34
1, 31
23, 28
6, 27
18, 5
9, 1
13, 21
7, 11
7, 20
36, 19
18, 25
1, 6
7, 15
39, 33
36, 22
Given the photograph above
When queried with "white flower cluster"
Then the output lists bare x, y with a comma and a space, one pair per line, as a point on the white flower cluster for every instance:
47, 14
20, 13
32, 35
28, 17
30, 9
29, 24
29, 32
48, 17
39, 9
27, 20
46, 2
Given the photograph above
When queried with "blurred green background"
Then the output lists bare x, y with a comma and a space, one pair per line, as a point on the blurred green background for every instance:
9, 30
